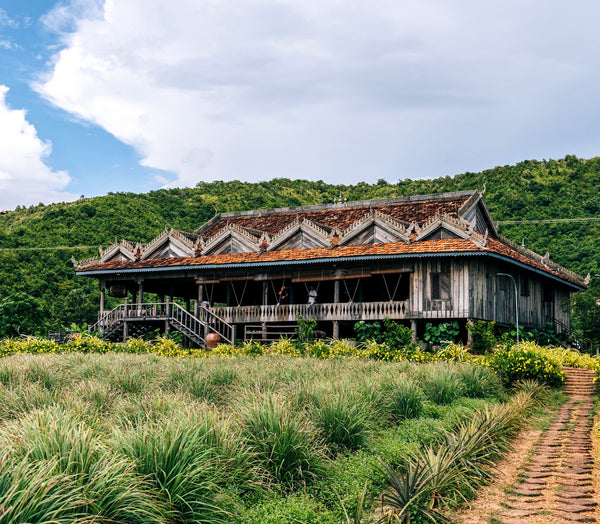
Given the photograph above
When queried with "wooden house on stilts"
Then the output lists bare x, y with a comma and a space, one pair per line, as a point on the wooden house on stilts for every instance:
430, 258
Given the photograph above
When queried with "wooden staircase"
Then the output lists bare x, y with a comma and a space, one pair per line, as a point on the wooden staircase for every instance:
134, 320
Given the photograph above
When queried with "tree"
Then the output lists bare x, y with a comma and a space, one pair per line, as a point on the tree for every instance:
21, 314
586, 315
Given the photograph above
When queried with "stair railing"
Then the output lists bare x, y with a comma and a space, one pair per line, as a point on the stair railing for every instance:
183, 320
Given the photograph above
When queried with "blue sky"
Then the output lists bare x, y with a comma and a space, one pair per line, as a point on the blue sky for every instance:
133, 95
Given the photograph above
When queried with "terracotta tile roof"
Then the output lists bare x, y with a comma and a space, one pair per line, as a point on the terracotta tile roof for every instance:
427, 247
272, 221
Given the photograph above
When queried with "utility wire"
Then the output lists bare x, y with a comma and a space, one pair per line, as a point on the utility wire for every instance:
547, 221
57, 248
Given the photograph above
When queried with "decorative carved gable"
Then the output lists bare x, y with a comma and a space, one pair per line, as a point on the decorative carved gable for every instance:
301, 234
374, 228
447, 226
232, 239
168, 244
475, 212
123, 250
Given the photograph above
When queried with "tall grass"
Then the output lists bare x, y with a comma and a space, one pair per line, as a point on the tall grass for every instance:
173, 458
142, 438
342, 419
284, 444
100, 483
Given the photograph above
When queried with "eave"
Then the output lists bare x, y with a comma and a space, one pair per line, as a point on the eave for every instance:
329, 260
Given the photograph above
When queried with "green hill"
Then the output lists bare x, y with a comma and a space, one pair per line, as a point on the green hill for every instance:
33, 269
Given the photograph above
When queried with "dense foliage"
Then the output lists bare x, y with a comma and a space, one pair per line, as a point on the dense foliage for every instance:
37, 243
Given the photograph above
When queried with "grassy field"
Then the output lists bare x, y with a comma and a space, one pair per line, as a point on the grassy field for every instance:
143, 438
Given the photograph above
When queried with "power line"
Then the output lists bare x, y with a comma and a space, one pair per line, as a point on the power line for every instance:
56, 248
547, 221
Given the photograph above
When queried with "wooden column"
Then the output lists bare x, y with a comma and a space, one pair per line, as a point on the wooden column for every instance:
336, 299
413, 326
102, 297
199, 298
265, 300
140, 293
469, 333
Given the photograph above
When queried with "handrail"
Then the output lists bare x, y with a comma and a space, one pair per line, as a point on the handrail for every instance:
217, 324
182, 319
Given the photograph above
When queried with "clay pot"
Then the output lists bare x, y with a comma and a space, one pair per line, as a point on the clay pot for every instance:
212, 340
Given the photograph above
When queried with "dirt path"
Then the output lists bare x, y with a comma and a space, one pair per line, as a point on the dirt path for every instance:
550, 477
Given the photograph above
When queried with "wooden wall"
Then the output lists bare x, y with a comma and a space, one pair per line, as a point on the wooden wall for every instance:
456, 306
492, 297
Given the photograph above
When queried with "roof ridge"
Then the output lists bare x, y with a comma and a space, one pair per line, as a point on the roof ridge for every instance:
409, 199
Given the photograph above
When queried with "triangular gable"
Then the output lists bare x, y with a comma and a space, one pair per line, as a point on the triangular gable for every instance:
231, 239
374, 228
123, 250
168, 244
476, 212
300, 234
445, 226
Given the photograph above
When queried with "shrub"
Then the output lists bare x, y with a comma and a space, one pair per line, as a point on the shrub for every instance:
396, 335
341, 348
444, 332
482, 333
298, 507
284, 444
284, 346
441, 384
342, 420
305, 329
404, 399
368, 331
452, 352
480, 382
526, 361
172, 456
318, 349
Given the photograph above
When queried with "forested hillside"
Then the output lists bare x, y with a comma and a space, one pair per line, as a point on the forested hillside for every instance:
38, 288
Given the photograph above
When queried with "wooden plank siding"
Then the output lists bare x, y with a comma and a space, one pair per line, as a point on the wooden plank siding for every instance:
492, 297
456, 305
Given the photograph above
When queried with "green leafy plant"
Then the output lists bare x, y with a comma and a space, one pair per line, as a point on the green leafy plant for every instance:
444, 332
483, 336
368, 331
305, 330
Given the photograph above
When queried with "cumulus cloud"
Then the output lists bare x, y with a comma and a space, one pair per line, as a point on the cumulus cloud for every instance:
24, 177
334, 89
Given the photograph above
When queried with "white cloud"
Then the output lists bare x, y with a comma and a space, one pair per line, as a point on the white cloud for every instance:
24, 177
6, 20
343, 90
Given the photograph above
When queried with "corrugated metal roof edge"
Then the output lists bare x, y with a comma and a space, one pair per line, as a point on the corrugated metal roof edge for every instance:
359, 258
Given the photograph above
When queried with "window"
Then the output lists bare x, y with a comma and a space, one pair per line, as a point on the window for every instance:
440, 286
548, 295
524, 286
